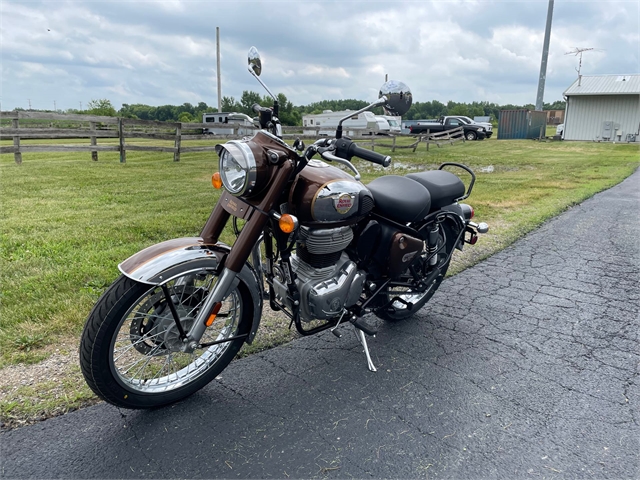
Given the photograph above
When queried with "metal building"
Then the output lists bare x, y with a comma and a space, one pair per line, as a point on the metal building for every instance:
603, 108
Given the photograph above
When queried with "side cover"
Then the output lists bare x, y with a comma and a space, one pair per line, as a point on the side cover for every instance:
165, 261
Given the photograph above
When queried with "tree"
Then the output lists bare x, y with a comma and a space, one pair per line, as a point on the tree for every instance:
229, 104
166, 113
185, 117
101, 107
247, 100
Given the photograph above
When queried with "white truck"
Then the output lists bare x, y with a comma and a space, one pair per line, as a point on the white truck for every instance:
395, 124
363, 123
219, 124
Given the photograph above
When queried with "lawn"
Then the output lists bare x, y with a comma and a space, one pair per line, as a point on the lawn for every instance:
67, 222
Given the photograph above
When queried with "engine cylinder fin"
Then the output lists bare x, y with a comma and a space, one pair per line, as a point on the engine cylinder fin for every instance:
319, 241
318, 260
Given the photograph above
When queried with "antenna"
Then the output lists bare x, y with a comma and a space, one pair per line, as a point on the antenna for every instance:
579, 51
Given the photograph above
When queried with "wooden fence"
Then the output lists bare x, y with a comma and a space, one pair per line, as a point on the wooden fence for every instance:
27, 125
446, 137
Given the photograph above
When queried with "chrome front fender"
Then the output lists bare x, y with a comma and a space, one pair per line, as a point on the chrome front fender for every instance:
161, 263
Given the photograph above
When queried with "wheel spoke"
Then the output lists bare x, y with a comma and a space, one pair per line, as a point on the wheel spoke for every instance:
147, 354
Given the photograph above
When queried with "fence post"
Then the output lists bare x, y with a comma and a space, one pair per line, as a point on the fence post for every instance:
17, 155
94, 142
123, 152
393, 147
373, 145
176, 154
428, 132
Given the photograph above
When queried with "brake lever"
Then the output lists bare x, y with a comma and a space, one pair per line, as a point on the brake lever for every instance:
326, 155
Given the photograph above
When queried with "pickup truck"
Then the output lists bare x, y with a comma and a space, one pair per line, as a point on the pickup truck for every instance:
488, 128
471, 132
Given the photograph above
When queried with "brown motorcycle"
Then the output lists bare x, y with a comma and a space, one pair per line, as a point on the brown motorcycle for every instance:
329, 249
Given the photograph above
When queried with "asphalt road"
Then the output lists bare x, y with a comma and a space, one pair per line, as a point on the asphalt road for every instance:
524, 366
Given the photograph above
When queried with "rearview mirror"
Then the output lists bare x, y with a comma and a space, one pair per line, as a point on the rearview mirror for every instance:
255, 63
398, 97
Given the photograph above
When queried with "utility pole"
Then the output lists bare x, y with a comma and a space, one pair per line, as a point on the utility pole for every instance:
218, 69
545, 54
29, 103
54, 106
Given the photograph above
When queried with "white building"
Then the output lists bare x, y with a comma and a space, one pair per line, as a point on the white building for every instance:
603, 108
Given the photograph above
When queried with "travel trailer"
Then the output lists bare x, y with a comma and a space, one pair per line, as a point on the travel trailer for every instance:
383, 125
363, 123
219, 124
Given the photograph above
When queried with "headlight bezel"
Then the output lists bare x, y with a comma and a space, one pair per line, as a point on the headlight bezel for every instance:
242, 154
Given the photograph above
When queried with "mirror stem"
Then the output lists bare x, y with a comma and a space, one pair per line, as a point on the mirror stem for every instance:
381, 101
262, 83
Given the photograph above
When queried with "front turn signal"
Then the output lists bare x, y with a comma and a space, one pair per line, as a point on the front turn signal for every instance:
216, 181
214, 314
287, 223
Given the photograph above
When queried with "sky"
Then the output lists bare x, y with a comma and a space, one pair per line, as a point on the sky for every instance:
63, 54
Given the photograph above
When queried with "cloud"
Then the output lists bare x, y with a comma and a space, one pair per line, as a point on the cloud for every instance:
164, 52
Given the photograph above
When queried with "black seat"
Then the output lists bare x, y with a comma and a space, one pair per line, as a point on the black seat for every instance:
444, 187
400, 198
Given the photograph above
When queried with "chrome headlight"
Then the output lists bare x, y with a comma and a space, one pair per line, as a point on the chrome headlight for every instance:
238, 169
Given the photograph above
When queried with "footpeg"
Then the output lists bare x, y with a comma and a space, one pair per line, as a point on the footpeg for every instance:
363, 341
361, 325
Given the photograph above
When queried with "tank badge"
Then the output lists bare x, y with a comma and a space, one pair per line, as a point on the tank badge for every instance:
343, 203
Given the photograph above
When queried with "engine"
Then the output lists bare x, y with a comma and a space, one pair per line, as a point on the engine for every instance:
327, 279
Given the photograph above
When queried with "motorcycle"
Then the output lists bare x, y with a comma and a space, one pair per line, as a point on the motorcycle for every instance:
329, 249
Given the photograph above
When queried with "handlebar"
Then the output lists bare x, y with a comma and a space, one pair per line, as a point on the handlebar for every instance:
346, 149
258, 108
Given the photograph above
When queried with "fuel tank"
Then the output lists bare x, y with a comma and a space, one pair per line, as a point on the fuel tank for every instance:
324, 195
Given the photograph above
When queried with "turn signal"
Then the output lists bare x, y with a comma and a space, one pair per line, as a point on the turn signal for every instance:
214, 312
287, 223
216, 181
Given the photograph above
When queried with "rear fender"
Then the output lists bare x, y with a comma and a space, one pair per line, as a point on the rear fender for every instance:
161, 263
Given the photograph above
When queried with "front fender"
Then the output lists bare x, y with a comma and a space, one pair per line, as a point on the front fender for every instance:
161, 263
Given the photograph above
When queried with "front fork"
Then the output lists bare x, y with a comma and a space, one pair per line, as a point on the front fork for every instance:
244, 246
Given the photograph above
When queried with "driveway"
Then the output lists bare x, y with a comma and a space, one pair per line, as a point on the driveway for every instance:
524, 366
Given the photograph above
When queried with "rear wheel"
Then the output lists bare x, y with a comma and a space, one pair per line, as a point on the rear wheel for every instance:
131, 353
403, 302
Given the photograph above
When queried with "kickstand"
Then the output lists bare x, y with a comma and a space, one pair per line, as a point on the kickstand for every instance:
363, 341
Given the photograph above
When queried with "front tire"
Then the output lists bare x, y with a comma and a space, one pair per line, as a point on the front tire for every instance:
130, 351
471, 135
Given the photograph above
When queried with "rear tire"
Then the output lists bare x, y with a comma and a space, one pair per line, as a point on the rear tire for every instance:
130, 348
398, 310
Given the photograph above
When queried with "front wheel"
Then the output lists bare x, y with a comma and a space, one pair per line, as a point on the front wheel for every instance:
131, 354
471, 135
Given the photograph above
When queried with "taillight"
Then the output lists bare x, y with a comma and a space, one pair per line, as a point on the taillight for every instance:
467, 211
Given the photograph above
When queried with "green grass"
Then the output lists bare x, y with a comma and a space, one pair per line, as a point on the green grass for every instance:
67, 221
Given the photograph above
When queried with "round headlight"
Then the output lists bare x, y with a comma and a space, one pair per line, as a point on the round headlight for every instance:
237, 167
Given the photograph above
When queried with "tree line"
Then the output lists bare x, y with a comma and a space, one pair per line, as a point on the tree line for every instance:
291, 114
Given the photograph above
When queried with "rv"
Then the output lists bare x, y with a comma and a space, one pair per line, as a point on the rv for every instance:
363, 123
383, 125
219, 124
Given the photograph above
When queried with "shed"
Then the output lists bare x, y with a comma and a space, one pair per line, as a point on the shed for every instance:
521, 124
603, 108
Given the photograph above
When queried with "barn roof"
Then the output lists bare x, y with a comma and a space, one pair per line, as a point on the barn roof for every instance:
605, 85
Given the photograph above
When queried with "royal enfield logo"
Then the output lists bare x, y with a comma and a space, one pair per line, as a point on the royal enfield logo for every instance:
343, 203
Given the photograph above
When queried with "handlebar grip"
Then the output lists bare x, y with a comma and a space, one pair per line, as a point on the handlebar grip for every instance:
363, 153
258, 108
